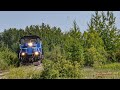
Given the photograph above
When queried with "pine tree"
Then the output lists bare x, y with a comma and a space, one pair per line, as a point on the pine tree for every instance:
73, 44
104, 24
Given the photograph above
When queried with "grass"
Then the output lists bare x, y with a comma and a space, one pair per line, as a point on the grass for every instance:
108, 71
24, 72
112, 66
91, 73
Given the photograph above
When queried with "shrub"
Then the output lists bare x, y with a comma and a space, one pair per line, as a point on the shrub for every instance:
8, 58
115, 56
61, 69
55, 54
3, 64
48, 72
95, 57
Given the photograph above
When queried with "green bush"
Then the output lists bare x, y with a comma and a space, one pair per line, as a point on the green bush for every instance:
118, 55
61, 69
48, 72
55, 54
74, 50
95, 57
114, 56
3, 64
8, 58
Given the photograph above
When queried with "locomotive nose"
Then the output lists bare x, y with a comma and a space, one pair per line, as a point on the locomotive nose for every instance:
29, 50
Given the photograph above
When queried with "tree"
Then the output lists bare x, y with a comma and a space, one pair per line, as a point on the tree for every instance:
104, 24
93, 46
73, 44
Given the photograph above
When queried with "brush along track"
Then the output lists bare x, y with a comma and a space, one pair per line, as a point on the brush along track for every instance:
32, 67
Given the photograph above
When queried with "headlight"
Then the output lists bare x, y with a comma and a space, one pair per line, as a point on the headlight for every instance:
30, 44
36, 53
23, 54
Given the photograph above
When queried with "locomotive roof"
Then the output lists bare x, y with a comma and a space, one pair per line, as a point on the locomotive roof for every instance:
33, 36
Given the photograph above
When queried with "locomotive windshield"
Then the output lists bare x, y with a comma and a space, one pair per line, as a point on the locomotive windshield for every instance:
28, 40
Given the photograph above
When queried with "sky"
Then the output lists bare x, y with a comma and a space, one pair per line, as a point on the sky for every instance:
62, 19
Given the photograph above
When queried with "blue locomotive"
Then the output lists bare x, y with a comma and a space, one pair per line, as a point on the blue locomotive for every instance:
31, 49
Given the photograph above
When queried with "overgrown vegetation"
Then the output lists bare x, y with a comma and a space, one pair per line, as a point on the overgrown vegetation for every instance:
24, 72
65, 70
61, 69
66, 53
8, 59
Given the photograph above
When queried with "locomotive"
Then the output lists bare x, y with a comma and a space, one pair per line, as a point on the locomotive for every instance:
30, 49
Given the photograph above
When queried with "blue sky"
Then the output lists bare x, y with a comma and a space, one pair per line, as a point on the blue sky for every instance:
62, 19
